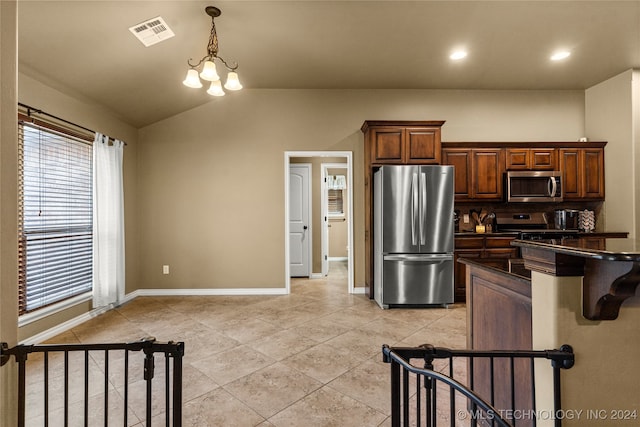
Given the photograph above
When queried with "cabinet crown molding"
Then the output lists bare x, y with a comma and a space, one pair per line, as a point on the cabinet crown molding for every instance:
523, 144
403, 123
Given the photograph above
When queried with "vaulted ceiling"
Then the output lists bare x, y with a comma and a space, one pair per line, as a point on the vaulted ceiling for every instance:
85, 47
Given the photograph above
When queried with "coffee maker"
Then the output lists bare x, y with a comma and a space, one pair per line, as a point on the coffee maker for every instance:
566, 219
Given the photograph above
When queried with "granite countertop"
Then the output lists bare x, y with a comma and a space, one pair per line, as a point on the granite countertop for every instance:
610, 249
489, 234
550, 230
513, 268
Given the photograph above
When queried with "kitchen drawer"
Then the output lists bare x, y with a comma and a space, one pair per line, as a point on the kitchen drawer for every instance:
498, 242
593, 242
469, 242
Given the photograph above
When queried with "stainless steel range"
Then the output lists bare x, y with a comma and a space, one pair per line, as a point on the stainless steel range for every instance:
531, 226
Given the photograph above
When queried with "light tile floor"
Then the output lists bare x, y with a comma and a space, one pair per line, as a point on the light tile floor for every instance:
311, 358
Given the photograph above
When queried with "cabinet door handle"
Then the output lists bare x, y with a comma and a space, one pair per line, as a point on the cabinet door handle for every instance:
553, 186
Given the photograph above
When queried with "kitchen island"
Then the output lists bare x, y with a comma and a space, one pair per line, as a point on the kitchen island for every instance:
498, 298
585, 294
498, 305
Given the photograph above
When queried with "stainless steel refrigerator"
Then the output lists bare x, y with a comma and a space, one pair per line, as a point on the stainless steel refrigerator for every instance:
413, 235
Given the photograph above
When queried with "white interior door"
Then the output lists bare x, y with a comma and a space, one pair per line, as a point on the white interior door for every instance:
299, 220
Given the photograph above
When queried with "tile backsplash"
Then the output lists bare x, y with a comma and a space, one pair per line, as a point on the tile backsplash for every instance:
481, 214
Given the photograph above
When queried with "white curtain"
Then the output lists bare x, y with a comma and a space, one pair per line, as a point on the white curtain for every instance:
108, 222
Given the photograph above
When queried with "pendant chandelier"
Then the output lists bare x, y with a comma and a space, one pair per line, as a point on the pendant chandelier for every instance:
208, 72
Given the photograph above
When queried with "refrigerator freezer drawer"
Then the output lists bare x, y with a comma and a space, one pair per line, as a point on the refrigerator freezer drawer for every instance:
417, 280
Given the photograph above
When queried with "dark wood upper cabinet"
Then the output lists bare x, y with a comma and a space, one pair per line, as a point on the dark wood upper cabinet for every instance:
593, 179
480, 167
544, 159
478, 172
571, 176
387, 145
487, 168
398, 143
531, 159
423, 145
582, 173
460, 159
517, 158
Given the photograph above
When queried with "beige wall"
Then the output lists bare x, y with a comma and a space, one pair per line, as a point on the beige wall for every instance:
8, 207
605, 376
211, 179
611, 114
75, 108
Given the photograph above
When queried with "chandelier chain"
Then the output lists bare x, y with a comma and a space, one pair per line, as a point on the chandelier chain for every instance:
212, 51
212, 47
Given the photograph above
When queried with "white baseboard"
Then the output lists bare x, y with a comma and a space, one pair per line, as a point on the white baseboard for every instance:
337, 258
78, 320
316, 276
64, 326
205, 292
359, 290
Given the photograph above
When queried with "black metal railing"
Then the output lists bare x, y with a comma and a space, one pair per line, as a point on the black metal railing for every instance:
471, 387
90, 382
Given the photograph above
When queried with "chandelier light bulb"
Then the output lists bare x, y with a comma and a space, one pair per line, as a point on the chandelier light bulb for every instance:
192, 79
216, 89
209, 72
233, 83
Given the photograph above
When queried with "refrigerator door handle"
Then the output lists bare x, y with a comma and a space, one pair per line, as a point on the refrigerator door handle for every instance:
414, 208
423, 208
435, 258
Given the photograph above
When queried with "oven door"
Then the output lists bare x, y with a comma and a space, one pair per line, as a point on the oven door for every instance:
534, 186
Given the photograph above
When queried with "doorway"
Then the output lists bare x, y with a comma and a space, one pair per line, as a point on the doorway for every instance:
334, 214
348, 166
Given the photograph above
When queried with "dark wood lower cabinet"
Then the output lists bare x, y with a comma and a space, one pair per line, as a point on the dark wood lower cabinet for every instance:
498, 310
499, 318
493, 250
460, 271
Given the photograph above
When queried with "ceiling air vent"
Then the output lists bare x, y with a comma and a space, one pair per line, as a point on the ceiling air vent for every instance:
152, 31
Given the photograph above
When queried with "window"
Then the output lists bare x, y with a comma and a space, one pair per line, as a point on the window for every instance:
335, 184
55, 215
335, 202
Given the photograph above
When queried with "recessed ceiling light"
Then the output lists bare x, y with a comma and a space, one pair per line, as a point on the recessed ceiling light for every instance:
458, 54
560, 55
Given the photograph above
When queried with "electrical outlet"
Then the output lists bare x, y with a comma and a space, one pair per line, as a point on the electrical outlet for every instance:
165, 269
465, 218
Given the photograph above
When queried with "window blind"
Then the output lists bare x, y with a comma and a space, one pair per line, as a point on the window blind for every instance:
335, 202
55, 216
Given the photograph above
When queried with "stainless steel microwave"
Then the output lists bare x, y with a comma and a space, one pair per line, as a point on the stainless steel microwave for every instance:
534, 186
